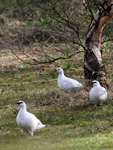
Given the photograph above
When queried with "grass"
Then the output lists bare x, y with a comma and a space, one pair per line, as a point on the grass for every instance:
81, 126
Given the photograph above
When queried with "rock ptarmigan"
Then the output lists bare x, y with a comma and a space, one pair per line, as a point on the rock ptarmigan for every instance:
97, 94
66, 83
27, 121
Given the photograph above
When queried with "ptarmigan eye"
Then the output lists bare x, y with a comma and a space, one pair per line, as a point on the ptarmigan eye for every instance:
94, 82
19, 102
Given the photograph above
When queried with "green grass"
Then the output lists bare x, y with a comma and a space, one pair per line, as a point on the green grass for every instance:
82, 126
56, 141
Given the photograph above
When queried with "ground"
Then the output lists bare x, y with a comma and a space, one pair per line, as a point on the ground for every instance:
80, 125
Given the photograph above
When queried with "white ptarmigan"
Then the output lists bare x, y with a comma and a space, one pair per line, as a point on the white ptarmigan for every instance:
66, 83
27, 121
97, 94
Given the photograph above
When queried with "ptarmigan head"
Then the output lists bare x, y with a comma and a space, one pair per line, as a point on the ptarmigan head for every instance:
21, 103
95, 83
60, 71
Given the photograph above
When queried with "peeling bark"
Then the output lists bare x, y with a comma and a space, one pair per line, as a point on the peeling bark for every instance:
94, 68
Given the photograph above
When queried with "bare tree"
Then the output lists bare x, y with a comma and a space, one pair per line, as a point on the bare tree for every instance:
55, 34
58, 30
93, 64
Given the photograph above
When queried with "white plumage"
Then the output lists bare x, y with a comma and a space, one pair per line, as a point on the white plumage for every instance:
66, 83
27, 121
98, 94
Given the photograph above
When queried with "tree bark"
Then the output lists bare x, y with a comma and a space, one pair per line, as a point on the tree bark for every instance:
94, 69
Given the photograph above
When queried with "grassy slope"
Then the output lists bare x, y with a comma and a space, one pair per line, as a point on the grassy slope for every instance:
82, 126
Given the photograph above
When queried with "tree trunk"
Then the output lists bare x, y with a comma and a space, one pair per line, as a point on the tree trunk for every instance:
94, 68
